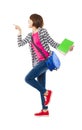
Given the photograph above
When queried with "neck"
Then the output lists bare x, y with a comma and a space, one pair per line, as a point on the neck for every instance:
34, 29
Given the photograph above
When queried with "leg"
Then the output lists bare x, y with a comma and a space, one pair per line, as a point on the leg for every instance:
42, 80
39, 69
34, 73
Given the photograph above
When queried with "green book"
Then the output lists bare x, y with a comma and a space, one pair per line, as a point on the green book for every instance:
65, 46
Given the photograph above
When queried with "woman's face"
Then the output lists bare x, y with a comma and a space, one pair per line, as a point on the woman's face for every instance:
30, 23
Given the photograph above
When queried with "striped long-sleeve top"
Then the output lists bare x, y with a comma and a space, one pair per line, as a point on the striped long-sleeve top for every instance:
45, 40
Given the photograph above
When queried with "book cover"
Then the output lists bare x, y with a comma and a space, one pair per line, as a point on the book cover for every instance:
65, 46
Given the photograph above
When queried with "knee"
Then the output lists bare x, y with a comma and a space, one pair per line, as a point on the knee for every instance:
27, 79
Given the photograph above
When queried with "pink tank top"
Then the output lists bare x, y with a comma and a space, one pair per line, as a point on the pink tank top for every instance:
38, 43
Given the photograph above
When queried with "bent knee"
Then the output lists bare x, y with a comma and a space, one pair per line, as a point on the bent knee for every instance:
27, 79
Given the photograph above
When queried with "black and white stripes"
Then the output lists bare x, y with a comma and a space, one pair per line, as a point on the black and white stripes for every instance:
45, 39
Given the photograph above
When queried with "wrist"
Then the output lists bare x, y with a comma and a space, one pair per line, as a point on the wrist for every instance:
20, 32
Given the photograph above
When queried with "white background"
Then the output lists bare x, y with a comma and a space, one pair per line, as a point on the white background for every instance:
18, 100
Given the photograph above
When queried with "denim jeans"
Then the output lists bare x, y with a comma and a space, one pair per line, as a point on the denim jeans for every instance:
39, 72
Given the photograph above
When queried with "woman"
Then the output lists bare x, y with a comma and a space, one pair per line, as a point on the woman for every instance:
41, 38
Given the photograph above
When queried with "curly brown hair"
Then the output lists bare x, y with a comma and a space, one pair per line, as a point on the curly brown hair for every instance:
37, 20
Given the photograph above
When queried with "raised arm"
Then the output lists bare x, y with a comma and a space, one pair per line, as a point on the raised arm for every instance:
21, 41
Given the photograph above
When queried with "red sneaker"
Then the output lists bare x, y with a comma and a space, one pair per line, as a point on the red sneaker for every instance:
42, 113
47, 97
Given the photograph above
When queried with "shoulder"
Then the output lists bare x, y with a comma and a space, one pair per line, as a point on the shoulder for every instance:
30, 34
42, 30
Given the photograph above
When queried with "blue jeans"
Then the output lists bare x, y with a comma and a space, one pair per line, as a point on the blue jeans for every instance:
39, 72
